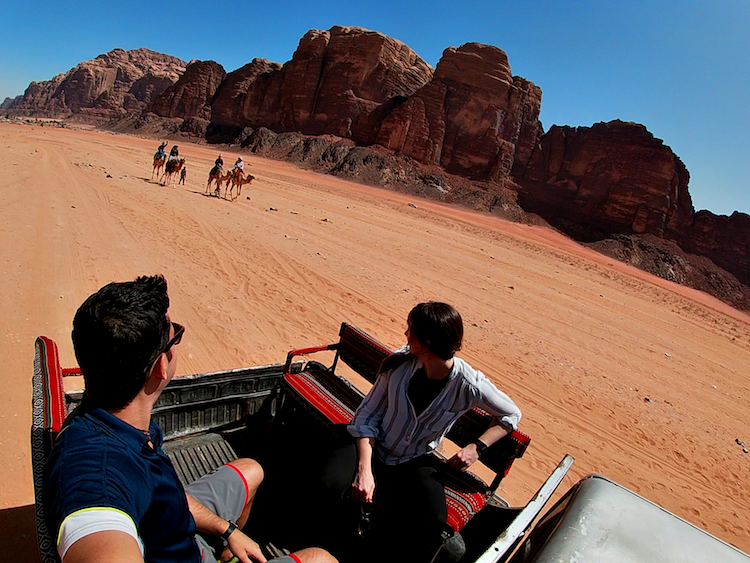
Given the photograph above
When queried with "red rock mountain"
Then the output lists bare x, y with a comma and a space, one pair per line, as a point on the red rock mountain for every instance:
617, 177
470, 116
339, 82
474, 118
117, 82
192, 94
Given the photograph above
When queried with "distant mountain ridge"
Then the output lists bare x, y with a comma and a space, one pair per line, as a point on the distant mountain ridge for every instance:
469, 117
115, 83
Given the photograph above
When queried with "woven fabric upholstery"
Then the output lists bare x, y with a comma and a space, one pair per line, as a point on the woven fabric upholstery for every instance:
47, 364
324, 393
48, 415
361, 352
465, 495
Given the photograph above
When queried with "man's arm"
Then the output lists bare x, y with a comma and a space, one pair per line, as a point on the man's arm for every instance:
104, 547
206, 521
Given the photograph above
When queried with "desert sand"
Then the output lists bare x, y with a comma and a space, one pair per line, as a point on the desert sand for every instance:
641, 380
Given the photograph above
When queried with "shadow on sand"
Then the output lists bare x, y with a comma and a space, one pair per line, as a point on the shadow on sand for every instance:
18, 535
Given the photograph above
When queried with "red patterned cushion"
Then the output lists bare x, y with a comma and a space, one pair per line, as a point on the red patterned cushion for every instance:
465, 495
361, 352
50, 384
48, 415
328, 394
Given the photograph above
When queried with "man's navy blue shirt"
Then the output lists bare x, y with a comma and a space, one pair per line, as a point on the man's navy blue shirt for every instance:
99, 461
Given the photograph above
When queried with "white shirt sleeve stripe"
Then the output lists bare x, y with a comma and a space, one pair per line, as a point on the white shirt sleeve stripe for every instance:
91, 520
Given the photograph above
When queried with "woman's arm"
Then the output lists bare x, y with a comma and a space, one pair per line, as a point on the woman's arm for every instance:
366, 420
365, 427
506, 417
467, 455
498, 404
363, 485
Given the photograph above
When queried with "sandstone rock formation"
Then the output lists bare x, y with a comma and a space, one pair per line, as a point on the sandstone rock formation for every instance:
617, 177
725, 240
8, 102
240, 96
192, 94
339, 82
474, 118
117, 82
611, 177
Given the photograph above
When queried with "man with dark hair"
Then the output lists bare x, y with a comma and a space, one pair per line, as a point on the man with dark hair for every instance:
111, 492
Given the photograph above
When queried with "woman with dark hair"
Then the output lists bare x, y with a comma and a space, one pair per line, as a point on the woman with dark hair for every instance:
421, 391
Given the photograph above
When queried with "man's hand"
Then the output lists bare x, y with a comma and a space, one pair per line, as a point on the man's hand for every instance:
363, 486
245, 548
464, 458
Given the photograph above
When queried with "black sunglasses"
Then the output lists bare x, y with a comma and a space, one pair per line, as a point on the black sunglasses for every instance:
365, 520
179, 330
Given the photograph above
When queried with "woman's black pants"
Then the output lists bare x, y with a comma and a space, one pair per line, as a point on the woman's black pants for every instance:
409, 515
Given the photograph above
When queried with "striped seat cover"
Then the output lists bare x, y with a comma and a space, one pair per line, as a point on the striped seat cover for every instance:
48, 414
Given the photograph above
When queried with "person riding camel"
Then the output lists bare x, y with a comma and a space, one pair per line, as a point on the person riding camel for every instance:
239, 167
174, 153
160, 151
219, 164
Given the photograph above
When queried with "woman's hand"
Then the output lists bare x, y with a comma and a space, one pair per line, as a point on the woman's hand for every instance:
465, 457
363, 486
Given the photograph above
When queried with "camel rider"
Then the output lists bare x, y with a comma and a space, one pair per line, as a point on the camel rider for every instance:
174, 153
160, 151
219, 163
239, 166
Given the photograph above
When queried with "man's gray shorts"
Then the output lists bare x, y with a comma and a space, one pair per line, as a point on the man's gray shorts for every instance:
223, 492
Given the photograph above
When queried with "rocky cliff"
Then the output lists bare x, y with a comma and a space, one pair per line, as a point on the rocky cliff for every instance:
471, 116
339, 82
118, 82
611, 177
725, 240
617, 177
192, 94
474, 118
9, 102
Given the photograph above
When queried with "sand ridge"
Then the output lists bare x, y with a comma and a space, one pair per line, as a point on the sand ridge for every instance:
641, 380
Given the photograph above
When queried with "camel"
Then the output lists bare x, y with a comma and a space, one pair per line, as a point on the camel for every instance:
239, 182
159, 160
171, 169
216, 176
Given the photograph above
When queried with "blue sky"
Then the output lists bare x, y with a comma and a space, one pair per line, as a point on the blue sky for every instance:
681, 68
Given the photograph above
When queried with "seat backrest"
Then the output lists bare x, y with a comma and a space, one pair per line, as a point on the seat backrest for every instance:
48, 415
360, 351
